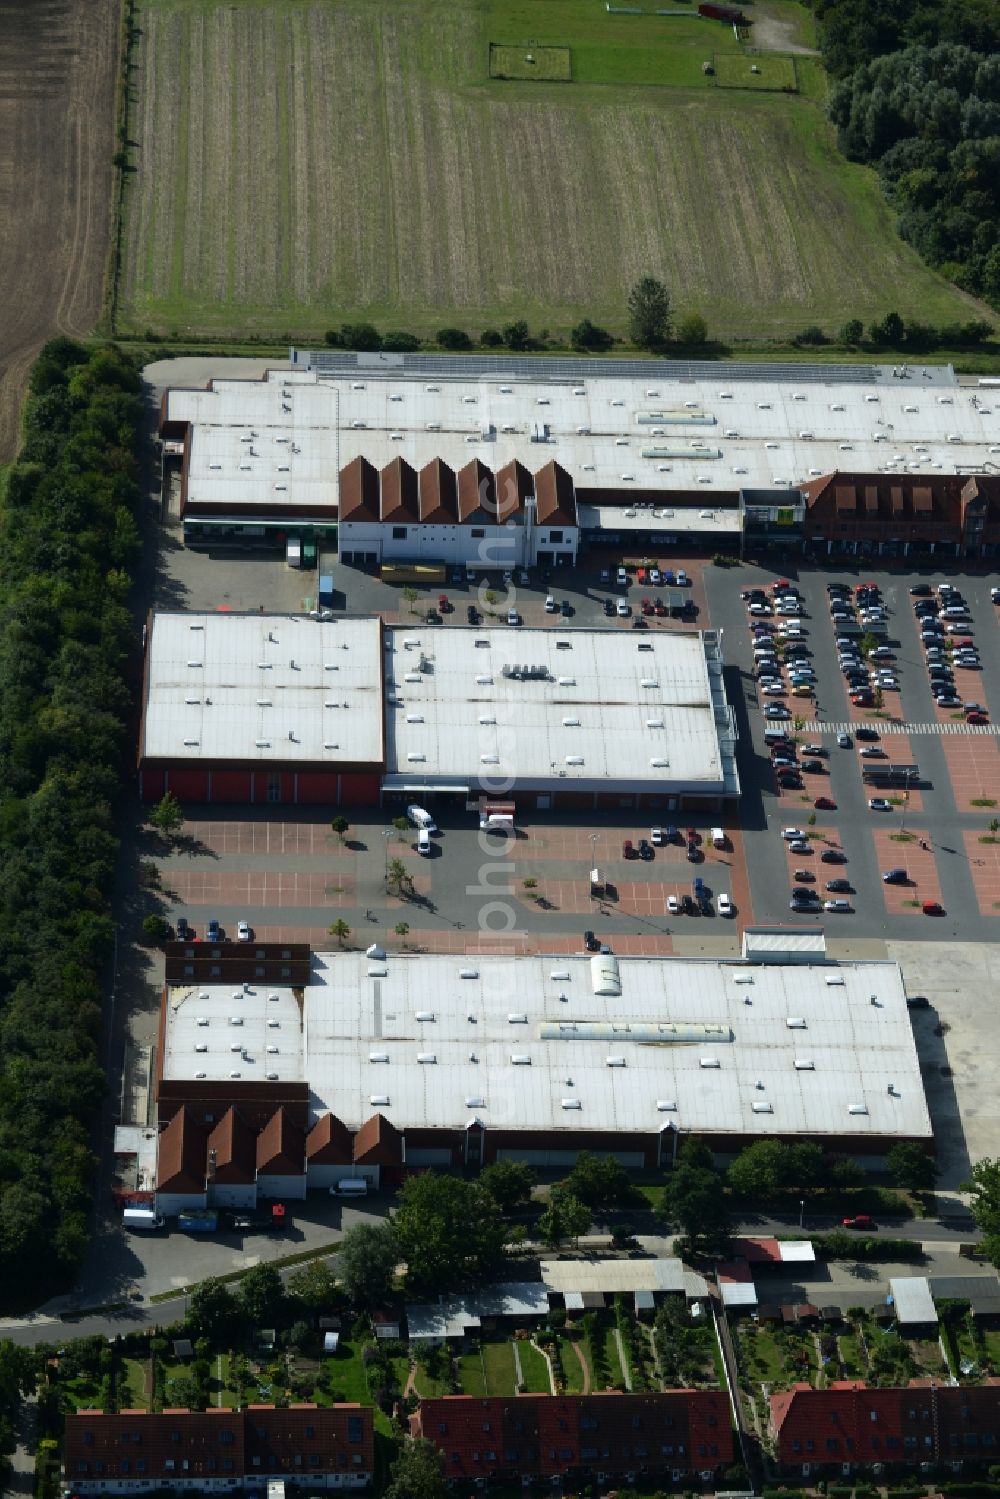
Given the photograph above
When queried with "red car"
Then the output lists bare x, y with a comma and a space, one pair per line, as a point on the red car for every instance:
444, 603
780, 585
824, 804
628, 851
977, 717
641, 575
862, 699
647, 606
932, 908
862, 1220
692, 835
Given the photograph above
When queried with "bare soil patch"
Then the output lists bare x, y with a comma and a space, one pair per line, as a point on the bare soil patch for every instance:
58, 77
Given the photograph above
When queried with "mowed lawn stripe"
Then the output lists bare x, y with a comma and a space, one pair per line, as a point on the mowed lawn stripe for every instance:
347, 160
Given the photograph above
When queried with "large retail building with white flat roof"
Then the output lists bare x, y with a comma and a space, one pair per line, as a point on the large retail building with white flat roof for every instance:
293, 709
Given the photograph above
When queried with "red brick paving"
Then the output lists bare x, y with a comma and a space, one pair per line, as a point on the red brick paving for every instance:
918, 863
974, 769
984, 868
421, 939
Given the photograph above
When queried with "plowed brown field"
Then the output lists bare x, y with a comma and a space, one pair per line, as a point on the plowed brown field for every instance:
58, 74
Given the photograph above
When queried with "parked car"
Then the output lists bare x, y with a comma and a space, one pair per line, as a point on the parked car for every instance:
243, 932
444, 603
622, 609
472, 614
656, 837
843, 887
777, 711
419, 817
693, 853
879, 804
825, 804
803, 874
590, 942
673, 905
833, 856
609, 606
792, 835
655, 576
565, 608
513, 617
646, 850
932, 908
725, 906
860, 1220
185, 932
213, 932
844, 741
550, 604
682, 578
976, 717
840, 906
628, 849
895, 877
800, 846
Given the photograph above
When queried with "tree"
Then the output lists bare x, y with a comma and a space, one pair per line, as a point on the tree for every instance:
361, 336
398, 876
911, 1167
314, 1287
509, 1183
566, 1217
649, 313
600, 1181
984, 1188
450, 1232
693, 330
411, 596
340, 930
262, 1296
852, 332
890, 331
768, 1167
155, 928
401, 824
212, 1310
418, 1472
515, 335
402, 930
168, 815
366, 1263
693, 1199
867, 643
339, 825
587, 335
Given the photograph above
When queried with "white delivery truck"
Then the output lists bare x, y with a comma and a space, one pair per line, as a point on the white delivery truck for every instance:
719, 839
142, 1220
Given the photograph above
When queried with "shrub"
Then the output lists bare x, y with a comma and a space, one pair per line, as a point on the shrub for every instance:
361, 336
587, 335
453, 338
490, 338
400, 343
812, 336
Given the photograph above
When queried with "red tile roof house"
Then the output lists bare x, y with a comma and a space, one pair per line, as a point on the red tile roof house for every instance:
218, 1451
587, 1437
849, 1424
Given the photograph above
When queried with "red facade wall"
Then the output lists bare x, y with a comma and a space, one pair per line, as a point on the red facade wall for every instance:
360, 790
151, 785
322, 786
188, 785
230, 785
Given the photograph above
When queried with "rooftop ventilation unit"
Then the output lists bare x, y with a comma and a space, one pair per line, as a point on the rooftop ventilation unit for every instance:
520, 1059
468, 973
517, 1019
474, 1102
571, 1103
804, 1064
763, 1108
666, 1105
424, 1015
615, 1062
380, 1100
427, 1058
709, 1062
857, 1108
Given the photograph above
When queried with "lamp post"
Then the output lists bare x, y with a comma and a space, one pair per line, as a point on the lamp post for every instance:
386, 834
802, 1209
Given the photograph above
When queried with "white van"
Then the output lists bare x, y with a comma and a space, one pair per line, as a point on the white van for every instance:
622, 578
719, 839
423, 842
142, 1220
775, 736
350, 1186
420, 818
496, 822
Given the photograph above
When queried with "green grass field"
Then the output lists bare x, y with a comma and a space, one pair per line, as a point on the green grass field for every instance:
534, 1369
533, 64
301, 163
767, 74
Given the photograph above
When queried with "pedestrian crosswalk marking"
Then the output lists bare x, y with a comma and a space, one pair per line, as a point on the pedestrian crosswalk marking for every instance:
818, 727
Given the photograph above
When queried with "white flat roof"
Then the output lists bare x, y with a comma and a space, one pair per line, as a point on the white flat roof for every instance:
692, 1044
912, 1299
259, 688
609, 433
219, 1031
684, 520
612, 1276
609, 707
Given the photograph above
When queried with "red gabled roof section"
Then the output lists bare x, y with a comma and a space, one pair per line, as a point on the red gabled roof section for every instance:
181, 1154
329, 1142
555, 497
378, 1143
398, 492
232, 1150
477, 493
359, 491
281, 1147
514, 485
438, 493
